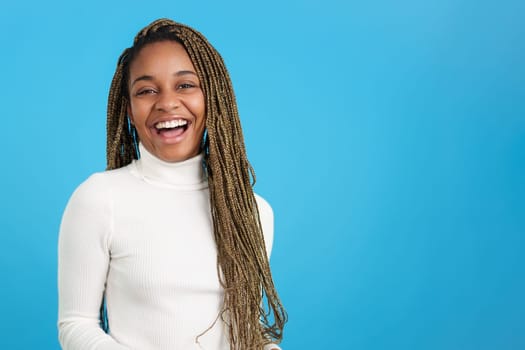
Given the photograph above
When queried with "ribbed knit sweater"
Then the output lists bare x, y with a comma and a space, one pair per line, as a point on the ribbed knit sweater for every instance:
142, 235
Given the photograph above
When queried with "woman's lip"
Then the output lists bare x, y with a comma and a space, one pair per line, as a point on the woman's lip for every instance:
171, 136
169, 118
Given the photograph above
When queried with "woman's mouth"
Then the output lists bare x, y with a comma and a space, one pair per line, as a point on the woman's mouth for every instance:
171, 128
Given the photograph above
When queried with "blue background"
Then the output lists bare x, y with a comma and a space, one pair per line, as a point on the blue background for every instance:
389, 136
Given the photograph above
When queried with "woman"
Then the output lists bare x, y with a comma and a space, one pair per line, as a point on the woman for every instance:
170, 239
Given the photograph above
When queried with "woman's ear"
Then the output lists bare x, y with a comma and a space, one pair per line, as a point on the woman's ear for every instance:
130, 115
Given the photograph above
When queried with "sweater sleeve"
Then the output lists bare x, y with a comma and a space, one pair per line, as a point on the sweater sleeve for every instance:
271, 347
83, 260
266, 216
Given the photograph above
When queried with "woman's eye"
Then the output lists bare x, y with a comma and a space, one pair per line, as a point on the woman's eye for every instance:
145, 92
186, 86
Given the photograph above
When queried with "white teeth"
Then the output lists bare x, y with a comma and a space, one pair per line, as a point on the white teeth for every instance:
170, 124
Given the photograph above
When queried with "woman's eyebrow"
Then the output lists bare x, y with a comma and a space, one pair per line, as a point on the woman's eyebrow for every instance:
184, 72
150, 77
142, 77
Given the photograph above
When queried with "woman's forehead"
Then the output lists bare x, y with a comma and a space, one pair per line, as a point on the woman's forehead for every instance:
165, 56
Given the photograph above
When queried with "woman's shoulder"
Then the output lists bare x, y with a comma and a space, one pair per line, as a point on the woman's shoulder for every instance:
263, 205
266, 217
98, 185
104, 178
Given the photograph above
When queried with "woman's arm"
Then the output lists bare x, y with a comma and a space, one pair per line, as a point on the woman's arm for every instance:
83, 260
271, 347
266, 216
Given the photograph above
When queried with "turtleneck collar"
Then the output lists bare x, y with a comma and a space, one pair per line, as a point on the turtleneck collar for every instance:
188, 174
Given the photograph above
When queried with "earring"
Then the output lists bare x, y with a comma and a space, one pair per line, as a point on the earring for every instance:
206, 150
133, 132
204, 142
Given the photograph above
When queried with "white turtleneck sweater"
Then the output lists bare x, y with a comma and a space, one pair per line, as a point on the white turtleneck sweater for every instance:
142, 234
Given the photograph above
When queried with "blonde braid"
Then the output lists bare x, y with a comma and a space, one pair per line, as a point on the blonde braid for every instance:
120, 148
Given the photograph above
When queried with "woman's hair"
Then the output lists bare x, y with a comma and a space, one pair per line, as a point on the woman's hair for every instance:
242, 258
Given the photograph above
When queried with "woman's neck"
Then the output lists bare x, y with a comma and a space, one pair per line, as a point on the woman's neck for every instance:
187, 174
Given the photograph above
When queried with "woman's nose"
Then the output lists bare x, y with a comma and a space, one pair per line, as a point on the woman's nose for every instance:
167, 101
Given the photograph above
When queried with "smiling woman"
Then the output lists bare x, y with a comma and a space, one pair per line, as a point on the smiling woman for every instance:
166, 101
170, 244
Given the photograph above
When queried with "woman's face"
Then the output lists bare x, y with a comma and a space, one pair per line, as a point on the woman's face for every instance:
166, 101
